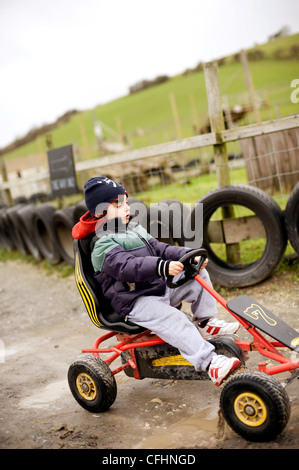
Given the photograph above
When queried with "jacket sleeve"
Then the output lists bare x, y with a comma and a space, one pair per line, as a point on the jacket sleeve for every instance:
124, 266
168, 252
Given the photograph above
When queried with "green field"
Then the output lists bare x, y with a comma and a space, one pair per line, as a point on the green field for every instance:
150, 110
146, 119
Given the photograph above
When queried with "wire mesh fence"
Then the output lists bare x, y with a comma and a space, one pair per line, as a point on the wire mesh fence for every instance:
269, 162
242, 228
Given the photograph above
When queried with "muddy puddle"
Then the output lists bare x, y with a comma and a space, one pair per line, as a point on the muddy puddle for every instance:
203, 429
207, 429
44, 398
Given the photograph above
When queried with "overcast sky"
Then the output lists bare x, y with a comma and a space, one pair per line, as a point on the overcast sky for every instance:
57, 55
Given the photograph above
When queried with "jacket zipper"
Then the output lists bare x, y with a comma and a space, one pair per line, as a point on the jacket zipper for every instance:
147, 244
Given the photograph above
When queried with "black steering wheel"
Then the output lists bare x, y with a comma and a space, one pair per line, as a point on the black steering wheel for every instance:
191, 268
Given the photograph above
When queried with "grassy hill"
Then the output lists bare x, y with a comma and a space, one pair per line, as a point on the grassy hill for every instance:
146, 116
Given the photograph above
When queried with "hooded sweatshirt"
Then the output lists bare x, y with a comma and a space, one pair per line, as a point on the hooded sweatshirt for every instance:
85, 227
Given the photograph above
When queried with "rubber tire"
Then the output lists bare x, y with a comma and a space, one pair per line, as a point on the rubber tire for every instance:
292, 218
39, 198
25, 218
156, 226
6, 240
184, 215
103, 379
63, 222
43, 230
3, 235
15, 229
267, 389
226, 346
140, 217
79, 210
269, 213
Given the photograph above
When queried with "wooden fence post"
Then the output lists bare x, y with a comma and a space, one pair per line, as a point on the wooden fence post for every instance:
217, 122
175, 115
9, 199
120, 131
220, 150
195, 121
194, 115
249, 83
84, 138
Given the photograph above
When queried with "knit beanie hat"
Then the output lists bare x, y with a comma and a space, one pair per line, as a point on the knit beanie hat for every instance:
100, 190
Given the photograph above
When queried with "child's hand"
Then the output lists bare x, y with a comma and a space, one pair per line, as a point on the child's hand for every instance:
175, 267
197, 258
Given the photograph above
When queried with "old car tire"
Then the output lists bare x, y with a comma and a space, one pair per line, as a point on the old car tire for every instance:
138, 211
178, 216
44, 233
6, 240
63, 222
271, 216
157, 227
25, 218
79, 210
15, 229
292, 218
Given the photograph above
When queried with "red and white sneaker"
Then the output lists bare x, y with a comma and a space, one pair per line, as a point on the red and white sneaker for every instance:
221, 366
216, 327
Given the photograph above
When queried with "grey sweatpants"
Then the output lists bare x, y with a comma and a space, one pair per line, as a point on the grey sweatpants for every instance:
159, 315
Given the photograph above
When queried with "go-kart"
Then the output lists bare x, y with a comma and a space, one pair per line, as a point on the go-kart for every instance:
253, 403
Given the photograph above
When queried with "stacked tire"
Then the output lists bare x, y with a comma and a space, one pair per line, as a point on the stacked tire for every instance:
29, 229
40, 230
6, 230
270, 215
292, 218
45, 233
25, 216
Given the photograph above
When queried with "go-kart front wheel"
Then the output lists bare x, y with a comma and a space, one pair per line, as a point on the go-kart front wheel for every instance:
255, 406
92, 384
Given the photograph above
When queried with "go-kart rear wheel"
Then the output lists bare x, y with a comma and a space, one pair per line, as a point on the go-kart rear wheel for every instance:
255, 406
226, 346
92, 384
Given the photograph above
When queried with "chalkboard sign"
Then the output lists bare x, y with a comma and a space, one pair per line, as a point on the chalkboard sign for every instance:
62, 171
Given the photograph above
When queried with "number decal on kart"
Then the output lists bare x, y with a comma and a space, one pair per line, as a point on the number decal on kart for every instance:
255, 312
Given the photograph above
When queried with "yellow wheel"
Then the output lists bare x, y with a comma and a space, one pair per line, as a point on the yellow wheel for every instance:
255, 406
250, 409
92, 384
86, 386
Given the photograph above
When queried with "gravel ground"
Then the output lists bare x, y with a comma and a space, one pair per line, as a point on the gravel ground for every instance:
44, 326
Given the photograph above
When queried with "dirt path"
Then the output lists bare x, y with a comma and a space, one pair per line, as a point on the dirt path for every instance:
44, 326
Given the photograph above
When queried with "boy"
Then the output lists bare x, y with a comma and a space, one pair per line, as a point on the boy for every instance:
131, 267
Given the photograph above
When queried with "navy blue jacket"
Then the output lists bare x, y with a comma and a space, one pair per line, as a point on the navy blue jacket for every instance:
128, 263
